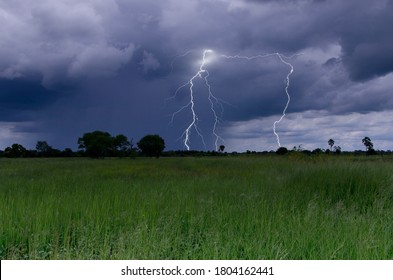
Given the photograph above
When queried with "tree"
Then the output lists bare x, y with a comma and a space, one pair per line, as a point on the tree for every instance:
282, 151
96, 144
337, 149
221, 148
16, 150
331, 143
367, 142
369, 145
121, 145
151, 145
43, 149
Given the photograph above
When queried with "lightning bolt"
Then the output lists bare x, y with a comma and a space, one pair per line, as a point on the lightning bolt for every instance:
204, 74
288, 98
287, 82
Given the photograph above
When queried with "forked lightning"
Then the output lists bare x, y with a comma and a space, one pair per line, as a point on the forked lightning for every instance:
280, 56
204, 74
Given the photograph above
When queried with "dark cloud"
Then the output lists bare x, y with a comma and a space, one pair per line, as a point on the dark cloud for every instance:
366, 38
18, 97
360, 27
370, 60
67, 67
60, 41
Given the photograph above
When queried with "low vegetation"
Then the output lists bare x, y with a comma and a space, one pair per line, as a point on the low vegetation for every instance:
292, 206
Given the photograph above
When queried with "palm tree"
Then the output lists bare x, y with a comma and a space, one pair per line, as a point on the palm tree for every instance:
331, 143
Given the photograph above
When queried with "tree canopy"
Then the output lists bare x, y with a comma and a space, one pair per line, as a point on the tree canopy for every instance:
369, 145
43, 149
151, 145
331, 143
96, 144
282, 151
16, 150
99, 144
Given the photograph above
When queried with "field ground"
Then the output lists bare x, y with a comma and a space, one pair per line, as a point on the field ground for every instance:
242, 207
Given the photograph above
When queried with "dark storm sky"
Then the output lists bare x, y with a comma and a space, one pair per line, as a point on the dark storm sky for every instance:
73, 66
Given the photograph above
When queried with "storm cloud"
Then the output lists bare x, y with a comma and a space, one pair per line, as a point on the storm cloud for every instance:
72, 66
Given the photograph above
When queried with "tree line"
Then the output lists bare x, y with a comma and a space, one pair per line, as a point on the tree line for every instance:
100, 144
95, 144
334, 149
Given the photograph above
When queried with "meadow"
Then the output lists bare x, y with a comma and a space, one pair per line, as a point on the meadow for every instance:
235, 207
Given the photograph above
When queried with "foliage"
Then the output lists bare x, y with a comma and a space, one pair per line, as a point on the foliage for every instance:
43, 149
331, 143
99, 144
96, 144
121, 145
367, 142
152, 145
282, 151
369, 146
16, 150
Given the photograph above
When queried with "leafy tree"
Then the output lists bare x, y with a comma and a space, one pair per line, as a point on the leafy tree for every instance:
121, 145
43, 149
221, 148
369, 146
331, 143
151, 145
367, 142
16, 150
96, 144
282, 151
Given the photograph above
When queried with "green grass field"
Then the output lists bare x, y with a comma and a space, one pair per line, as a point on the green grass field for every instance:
256, 207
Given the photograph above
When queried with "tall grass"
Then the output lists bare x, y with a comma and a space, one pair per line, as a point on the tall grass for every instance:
292, 207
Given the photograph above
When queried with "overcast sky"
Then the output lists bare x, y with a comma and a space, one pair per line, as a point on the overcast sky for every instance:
73, 66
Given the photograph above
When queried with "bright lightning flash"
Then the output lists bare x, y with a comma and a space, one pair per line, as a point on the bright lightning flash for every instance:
202, 73
280, 56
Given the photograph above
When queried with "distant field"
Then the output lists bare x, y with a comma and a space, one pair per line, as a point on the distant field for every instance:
255, 207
